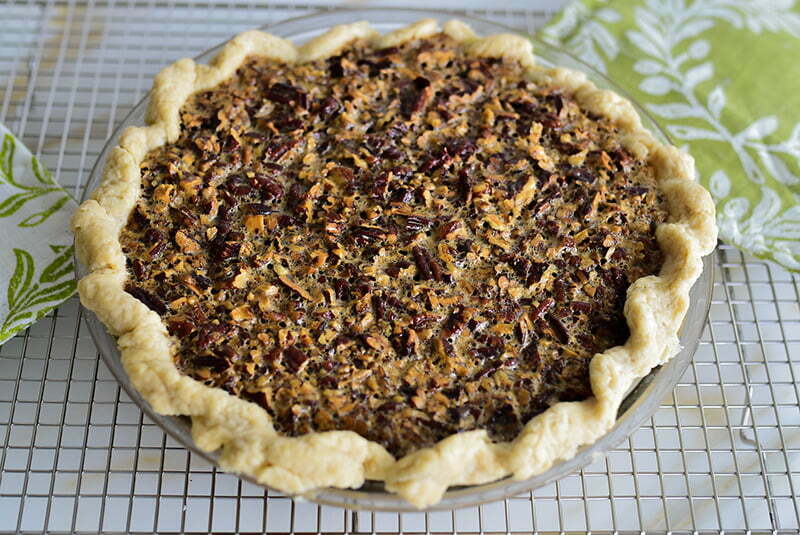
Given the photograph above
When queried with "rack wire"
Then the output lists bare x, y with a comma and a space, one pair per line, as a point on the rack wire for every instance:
722, 452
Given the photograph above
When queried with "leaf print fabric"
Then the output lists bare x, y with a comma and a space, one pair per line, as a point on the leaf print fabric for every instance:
722, 77
36, 266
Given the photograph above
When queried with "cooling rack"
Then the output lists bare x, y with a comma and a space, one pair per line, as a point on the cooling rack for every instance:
76, 455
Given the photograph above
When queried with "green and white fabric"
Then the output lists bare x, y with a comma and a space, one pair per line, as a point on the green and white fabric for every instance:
723, 76
36, 266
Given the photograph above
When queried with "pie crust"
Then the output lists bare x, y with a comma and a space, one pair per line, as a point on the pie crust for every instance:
249, 444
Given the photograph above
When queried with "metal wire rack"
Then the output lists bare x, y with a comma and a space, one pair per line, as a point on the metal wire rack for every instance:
722, 453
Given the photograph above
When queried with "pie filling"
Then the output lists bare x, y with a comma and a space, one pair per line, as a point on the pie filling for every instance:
406, 242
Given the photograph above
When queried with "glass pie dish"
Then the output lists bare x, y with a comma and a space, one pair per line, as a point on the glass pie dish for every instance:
641, 402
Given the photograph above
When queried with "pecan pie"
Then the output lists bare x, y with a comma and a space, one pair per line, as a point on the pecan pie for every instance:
415, 257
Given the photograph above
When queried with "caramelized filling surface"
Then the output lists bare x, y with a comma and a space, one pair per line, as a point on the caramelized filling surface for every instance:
406, 243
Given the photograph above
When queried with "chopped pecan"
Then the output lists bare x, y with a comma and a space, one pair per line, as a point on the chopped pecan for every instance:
294, 358
151, 301
415, 96
335, 68
416, 223
580, 174
181, 328
287, 94
421, 321
330, 107
542, 308
277, 149
450, 229
242, 313
363, 235
440, 159
558, 328
286, 278
427, 266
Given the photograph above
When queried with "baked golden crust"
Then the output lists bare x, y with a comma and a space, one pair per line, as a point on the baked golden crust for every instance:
654, 308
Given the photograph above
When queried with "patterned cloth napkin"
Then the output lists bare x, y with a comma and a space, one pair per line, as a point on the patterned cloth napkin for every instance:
722, 76
36, 267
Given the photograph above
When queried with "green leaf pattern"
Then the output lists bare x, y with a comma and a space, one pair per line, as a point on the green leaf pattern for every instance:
584, 36
717, 74
36, 260
13, 203
26, 293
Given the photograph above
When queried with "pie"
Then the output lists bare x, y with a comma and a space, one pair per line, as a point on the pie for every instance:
415, 257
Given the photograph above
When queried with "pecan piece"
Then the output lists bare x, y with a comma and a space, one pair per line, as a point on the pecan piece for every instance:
448, 231
151, 301
380, 186
363, 235
286, 94
269, 189
257, 209
295, 198
213, 362
238, 186
415, 223
464, 186
277, 149
415, 96
581, 174
581, 306
180, 328
405, 343
379, 306
341, 288
224, 251
286, 278
342, 176
440, 159
421, 321
454, 323
543, 307
335, 68
328, 108
138, 268
637, 191
186, 243
462, 148
394, 270
558, 328
427, 266
294, 358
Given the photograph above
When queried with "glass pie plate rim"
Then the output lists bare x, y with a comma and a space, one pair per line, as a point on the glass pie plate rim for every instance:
641, 402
